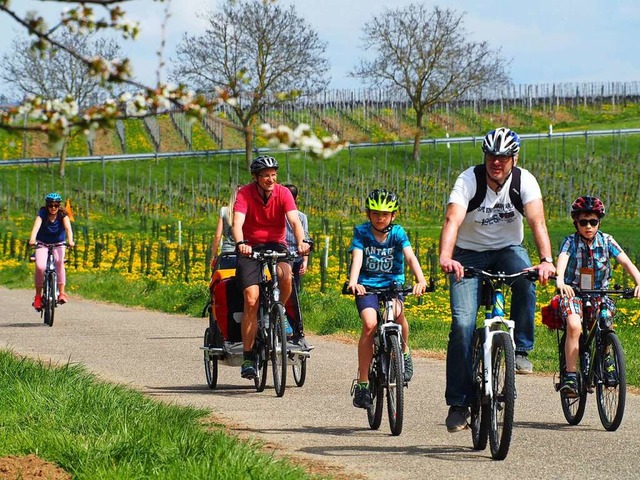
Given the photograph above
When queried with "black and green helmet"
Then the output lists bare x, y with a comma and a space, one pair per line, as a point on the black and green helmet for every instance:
382, 200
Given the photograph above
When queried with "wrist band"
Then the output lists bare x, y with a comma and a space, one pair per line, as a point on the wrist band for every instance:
241, 242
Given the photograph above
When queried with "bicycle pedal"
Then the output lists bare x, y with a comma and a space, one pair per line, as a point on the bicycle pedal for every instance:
353, 386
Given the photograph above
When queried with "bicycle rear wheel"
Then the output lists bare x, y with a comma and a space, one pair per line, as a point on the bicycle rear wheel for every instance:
572, 407
49, 298
374, 412
278, 348
480, 407
262, 363
504, 395
395, 385
611, 389
210, 361
299, 369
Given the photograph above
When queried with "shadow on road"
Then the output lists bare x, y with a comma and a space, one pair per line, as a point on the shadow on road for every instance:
24, 325
554, 426
220, 390
439, 452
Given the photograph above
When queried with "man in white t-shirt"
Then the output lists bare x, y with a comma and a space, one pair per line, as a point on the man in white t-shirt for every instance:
486, 232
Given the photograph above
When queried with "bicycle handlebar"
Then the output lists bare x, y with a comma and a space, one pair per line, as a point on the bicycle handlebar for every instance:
617, 290
272, 255
470, 272
47, 245
380, 291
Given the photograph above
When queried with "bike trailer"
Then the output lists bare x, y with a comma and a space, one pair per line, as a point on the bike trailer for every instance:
228, 303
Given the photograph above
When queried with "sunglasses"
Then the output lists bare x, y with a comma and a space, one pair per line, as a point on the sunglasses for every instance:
501, 158
583, 222
49, 205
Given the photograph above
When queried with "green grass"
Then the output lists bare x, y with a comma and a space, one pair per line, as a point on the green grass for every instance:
96, 430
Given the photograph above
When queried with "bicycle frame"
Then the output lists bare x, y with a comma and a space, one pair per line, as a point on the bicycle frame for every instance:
495, 322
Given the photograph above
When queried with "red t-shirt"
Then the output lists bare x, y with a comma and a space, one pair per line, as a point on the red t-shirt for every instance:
264, 222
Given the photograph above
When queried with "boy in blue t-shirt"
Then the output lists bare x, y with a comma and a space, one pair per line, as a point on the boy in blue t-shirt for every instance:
379, 249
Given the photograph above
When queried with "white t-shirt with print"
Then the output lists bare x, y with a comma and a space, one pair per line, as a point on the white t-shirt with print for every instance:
496, 223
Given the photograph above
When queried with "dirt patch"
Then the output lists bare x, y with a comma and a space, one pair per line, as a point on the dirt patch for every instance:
30, 467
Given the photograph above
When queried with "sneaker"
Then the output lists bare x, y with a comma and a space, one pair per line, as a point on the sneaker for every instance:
569, 385
37, 302
62, 298
408, 367
248, 370
287, 328
457, 418
523, 365
362, 396
610, 372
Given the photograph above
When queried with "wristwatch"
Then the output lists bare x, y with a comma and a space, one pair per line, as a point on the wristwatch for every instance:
546, 259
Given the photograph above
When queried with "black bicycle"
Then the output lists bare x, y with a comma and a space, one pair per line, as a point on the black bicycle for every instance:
494, 371
386, 372
50, 286
271, 338
601, 362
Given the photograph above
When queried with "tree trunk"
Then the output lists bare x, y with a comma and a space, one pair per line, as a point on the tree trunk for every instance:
248, 144
417, 137
63, 156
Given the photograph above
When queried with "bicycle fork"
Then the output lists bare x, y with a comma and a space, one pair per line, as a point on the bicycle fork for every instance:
492, 327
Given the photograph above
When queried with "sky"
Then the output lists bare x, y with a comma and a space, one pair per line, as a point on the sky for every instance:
547, 41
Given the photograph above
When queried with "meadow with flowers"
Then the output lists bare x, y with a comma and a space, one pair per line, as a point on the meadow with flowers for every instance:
143, 229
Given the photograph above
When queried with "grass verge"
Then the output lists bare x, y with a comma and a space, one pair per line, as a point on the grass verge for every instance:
97, 430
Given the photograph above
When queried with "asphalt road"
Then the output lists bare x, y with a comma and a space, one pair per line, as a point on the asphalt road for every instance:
159, 354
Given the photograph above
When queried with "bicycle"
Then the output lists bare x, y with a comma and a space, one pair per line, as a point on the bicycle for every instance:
493, 365
50, 286
386, 371
601, 362
271, 338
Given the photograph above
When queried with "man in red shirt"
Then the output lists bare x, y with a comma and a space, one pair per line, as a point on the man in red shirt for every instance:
259, 222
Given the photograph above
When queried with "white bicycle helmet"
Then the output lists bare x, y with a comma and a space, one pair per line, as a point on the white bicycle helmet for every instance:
501, 142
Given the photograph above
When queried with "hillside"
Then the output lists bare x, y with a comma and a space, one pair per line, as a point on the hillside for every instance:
357, 121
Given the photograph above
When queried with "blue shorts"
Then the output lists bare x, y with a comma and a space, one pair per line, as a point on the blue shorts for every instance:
371, 301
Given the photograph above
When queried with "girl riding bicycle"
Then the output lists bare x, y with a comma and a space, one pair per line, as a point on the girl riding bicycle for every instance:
52, 225
379, 249
583, 262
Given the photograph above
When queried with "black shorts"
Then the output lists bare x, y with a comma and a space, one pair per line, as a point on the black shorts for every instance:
248, 269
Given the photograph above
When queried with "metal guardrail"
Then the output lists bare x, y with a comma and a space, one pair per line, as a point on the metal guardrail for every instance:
238, 151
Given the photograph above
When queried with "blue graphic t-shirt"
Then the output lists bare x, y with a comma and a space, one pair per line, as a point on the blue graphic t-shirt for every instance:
382, 263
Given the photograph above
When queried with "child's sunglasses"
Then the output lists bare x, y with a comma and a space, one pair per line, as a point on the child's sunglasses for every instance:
583, 222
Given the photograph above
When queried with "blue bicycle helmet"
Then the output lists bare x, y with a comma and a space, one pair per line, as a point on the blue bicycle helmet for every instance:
53, 197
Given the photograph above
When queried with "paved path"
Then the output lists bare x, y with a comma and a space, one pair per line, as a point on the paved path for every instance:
159, 354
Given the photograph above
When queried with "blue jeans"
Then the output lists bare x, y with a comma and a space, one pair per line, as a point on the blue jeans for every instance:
466, 299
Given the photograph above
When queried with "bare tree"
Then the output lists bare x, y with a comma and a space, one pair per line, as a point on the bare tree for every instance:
259, 52
57, 117
426, 55
56, 74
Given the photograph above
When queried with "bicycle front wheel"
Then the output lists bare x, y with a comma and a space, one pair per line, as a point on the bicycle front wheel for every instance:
479, 407
504, 395
395, 385
611, 388
572, 407
278, 348
49, 298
